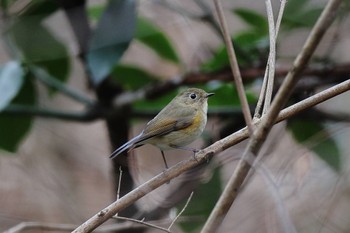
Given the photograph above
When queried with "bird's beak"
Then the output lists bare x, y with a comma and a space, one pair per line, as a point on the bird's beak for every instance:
209, 94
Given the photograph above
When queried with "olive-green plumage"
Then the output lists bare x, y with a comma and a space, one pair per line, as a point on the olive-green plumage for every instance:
178, 124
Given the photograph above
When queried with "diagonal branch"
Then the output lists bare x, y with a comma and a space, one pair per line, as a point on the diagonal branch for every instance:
272, 57
201, 157
232, 188
234, 67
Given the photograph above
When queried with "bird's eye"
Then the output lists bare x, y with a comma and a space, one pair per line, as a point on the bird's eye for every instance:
193, 96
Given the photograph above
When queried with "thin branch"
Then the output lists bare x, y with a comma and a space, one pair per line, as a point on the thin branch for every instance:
23, 110
326, 75
183, 209
119, 181
39, 226
49, 81
119, 185
231, 190
265, 80
142, 223
280, 15
201, 157
259, 104
234, 67
317, 77
272, 57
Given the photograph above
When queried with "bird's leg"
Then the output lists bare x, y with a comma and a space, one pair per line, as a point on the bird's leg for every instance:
166, 165
186, 148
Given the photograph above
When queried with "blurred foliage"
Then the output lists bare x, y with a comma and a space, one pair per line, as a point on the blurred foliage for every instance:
136, 77
252, 44
316, 137
207, 193
111, 38
298, 14
14, 128
34, 44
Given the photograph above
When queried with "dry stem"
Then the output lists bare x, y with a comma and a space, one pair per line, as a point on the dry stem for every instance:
231, 190
200, 157
234, 67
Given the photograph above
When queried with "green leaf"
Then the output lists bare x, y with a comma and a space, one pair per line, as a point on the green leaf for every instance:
111, 38
95, 12
298, 14
218, 61
131, 77
251, 40
302, 19
254, 19
11, 80
151, 36
295, 6
202, 203
14, 128
5, 5
39, 9
39, 47
249, 46
310, 132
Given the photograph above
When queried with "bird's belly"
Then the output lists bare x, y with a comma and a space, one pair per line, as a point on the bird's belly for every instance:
181, 137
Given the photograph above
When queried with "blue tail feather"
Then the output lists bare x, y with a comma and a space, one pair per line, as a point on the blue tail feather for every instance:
128, 145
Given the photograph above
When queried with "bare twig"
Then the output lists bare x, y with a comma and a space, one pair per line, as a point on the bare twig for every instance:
49, 81
234, 67
280, 15
183, 209
263, 91
334, 75
119, 184
39, 226
272, 57
24, 110
119, 181
231, 190
142, 223
200, 157
259, 104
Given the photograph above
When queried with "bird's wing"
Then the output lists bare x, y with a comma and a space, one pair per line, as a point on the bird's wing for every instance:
163, 127
159, 127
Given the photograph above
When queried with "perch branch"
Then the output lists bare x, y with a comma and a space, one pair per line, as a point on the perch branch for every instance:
200, 157
39, 226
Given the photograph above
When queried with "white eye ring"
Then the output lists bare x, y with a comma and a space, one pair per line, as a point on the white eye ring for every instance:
193, 96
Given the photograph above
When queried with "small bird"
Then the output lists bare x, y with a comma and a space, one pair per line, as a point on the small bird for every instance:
178, 124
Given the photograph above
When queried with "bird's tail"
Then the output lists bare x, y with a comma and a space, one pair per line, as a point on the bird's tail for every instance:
126, 146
